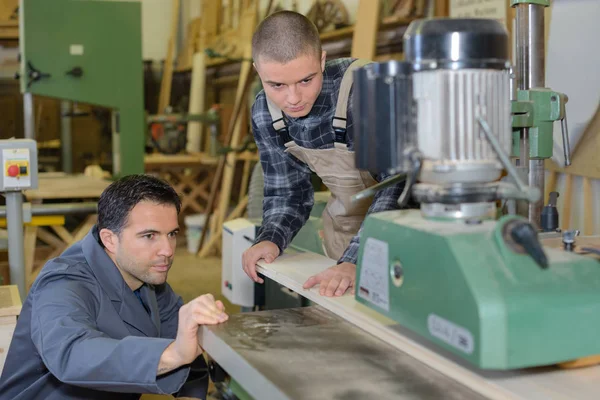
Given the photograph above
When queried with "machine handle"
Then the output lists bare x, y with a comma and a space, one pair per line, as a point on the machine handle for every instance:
565, 137
370, 191
525, 235
75, 72
34, 74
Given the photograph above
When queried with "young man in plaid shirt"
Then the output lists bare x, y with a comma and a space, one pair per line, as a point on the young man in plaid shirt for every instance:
302, 123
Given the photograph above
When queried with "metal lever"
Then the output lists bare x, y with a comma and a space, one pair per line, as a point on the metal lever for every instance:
34, 74
370, 191
532, 194
565, 138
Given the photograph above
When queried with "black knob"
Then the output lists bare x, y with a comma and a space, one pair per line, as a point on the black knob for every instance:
549, 217
524, 234
34, 74
75, 72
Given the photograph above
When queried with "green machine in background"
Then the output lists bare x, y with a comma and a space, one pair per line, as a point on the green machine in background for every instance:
89, 52
481, 286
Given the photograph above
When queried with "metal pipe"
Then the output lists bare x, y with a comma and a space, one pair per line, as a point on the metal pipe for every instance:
65, 137
57, 209
16, 252
530, 63
28, 115
530, 60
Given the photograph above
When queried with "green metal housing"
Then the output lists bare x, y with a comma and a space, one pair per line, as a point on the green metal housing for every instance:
104, 39
464, 289
537, 109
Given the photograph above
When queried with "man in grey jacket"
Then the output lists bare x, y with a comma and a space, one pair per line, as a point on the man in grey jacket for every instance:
101, 318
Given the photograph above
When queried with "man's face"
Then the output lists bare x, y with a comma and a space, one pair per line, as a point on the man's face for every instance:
144, 250
294, 86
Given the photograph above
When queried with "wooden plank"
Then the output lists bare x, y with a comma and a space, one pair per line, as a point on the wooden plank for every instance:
245, 178
10, 301
49, 238
292, 270
29, 243
7, 330
197, 99
550, 185
63, 233
215, 238
365, 31
7, 9
167, 77
193, 159
588, 207
565, 215
240, 101
583, 160
67, 187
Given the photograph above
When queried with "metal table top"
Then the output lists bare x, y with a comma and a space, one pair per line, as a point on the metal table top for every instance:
310, 353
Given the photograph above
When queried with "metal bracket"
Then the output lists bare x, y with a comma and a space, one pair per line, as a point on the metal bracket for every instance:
538, 109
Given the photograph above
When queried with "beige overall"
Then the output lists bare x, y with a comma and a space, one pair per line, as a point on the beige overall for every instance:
335, 166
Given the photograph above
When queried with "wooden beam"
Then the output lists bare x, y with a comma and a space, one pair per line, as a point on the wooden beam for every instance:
365, 31
165, 88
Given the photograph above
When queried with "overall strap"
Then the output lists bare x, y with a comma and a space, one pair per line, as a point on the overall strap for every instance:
341, 110
278, 121
276, 116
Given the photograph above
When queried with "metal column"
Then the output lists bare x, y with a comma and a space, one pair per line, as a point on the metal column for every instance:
16, 252
65, 137
530, 73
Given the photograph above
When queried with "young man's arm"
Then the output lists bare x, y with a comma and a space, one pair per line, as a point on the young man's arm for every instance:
336, 280
288, 200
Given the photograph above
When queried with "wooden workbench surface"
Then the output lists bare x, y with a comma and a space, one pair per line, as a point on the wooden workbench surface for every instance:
292, 270
61, 186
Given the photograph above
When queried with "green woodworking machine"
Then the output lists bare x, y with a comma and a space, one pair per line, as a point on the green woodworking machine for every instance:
458, 272
89, 52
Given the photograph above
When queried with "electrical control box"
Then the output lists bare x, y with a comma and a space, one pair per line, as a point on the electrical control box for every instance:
19, 161
236, 286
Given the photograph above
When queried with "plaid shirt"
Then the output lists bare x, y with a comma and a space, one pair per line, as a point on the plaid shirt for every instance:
288, 192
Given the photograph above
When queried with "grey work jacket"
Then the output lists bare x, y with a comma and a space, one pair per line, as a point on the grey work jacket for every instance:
83, 333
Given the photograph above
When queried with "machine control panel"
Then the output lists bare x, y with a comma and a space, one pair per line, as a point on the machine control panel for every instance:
18, 158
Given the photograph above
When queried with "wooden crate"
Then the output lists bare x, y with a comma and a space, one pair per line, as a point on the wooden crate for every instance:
10, 308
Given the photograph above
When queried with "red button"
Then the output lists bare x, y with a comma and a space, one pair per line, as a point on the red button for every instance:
226, 283
13, 170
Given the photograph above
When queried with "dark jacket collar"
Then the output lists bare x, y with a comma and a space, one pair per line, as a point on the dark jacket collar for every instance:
111, 281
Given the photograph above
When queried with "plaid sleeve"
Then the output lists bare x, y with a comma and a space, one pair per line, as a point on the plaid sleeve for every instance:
288, 191
384, 200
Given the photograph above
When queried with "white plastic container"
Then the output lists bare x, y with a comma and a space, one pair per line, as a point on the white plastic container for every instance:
194, 225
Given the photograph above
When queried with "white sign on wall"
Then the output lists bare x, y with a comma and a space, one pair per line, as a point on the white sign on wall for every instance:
493, 9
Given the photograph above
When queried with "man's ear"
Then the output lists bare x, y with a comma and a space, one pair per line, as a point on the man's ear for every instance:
323, 58
109, 239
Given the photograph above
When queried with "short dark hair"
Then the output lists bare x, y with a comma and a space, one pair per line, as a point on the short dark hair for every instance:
121, 196
284, 36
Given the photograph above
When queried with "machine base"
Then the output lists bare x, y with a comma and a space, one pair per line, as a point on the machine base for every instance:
463, 288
